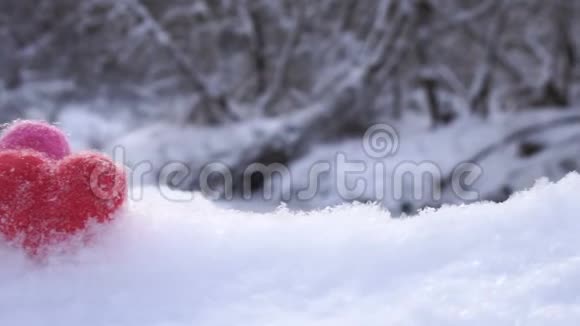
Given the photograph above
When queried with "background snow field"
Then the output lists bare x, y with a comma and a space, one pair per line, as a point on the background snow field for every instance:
168, 263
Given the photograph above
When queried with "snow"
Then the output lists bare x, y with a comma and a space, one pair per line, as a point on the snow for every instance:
89, 130
446, 148
192, 263
238, 144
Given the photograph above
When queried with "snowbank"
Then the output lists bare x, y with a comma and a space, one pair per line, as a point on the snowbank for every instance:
445, 149
239, 145
169, 263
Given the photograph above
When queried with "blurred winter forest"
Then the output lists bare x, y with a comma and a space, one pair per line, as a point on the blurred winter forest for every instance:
494, 82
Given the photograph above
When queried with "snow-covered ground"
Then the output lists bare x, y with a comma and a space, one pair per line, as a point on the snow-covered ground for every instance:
168, 263
445, 149
420, 147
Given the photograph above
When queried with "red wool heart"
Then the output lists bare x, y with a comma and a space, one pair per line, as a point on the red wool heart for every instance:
43, 201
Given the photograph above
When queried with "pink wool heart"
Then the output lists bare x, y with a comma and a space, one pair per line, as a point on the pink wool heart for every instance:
38, 136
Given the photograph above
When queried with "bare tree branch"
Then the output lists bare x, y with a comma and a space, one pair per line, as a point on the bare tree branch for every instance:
164, 38
265, 102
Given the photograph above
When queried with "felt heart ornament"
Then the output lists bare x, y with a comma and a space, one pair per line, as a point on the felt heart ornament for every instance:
45, 201
35, 135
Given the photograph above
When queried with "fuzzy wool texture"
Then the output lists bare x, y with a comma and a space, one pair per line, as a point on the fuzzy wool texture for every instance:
174, 260
35, 135
43, 201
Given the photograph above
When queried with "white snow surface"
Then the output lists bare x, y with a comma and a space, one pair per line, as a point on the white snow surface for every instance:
191, 263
